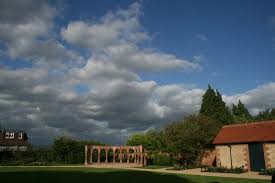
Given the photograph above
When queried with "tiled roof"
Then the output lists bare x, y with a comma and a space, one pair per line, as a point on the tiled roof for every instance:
244, 133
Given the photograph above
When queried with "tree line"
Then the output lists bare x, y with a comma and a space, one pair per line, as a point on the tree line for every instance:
186, 140
182, 142
65, 150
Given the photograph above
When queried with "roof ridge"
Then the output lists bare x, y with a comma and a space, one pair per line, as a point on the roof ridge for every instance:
250, 123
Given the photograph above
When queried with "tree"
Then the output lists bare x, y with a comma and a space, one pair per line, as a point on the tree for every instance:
272, 114
214, 107
151, 141
191, 136
240, 113
265, 115
68, 150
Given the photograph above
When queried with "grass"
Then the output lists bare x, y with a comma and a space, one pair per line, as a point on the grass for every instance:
154, 167
82, 174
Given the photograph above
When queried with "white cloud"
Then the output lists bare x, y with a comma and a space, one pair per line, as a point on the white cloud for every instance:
115, 38
258, 99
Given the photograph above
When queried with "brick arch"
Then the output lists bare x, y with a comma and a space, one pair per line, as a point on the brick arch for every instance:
115, 154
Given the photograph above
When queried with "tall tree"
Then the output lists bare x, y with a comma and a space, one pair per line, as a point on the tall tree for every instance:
240, 113
214, 107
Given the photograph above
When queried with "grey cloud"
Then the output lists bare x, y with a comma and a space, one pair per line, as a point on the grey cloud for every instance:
25, 11
24, 30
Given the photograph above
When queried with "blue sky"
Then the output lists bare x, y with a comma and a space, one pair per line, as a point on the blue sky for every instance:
104, 70
238, 38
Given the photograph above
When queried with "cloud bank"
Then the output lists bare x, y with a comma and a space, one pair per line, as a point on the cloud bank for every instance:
102, 97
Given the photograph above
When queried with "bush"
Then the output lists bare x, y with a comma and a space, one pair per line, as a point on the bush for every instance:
269, 171
26, 157
237, 170
161, 160
183, 167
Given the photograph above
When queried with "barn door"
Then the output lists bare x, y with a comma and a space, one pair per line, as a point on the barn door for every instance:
256, 155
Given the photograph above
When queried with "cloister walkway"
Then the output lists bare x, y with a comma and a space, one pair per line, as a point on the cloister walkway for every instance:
115, 156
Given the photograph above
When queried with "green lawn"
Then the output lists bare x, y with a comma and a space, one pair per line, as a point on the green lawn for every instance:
153, 167
82, 174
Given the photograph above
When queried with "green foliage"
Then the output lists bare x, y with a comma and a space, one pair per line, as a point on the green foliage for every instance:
269, 171
162, 160
237, 170
68, 150
189, 138
241, 114
30, 157
265, 115
214, 107
151, 141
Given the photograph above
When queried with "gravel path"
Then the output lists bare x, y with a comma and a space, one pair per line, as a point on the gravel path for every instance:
197, 171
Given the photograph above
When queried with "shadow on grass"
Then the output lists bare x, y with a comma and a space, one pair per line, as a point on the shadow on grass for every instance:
77, 176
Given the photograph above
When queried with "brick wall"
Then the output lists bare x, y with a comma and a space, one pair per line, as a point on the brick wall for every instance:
239, 155
269, 152
209, 157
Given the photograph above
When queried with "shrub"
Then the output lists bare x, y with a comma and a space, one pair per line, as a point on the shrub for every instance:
269, 171
161, 160
237, 170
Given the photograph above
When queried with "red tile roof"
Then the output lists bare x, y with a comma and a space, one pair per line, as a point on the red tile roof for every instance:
244, 133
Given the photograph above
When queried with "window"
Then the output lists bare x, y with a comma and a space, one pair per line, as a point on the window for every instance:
20, 136
12, 135
7, 135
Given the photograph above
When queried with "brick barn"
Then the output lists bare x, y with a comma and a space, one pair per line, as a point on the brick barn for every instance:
250, 145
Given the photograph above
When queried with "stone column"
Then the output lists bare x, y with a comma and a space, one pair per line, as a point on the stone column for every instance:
135, 156
106, 155
114, 155
145, 160
86, 155
91, 156
98, 155
120, 155
127, 155
141, 155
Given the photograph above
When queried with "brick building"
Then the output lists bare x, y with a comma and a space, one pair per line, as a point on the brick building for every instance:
13, 141
249, 145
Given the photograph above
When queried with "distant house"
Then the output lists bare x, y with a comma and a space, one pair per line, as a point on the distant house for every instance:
249, 145
13, 141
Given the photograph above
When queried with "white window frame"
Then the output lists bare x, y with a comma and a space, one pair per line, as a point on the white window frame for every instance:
12, 135
7, 135
20, 135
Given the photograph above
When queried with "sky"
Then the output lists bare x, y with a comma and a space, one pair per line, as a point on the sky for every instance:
104, 70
